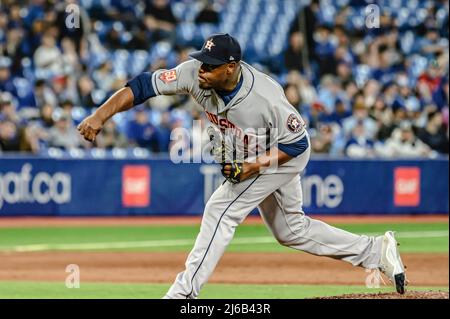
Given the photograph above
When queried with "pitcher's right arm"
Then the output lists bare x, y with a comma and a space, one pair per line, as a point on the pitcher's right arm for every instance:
137, 91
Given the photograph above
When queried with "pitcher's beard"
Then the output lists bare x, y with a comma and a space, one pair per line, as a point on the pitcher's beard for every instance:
205, 86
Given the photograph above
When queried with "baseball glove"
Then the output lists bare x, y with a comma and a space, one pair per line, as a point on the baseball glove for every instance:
225, 154
235, 172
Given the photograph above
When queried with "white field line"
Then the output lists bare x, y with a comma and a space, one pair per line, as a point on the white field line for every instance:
185, 242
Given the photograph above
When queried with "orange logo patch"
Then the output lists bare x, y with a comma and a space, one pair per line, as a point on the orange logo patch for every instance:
168, 76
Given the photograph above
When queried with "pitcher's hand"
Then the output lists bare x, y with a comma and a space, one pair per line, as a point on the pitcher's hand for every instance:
238, 172
90, 127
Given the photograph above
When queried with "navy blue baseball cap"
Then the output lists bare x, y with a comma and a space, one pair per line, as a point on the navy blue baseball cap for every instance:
219, 49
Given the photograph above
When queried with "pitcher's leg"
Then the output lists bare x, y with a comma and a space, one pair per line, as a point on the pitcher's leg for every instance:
225, 210
322, 239
216, 231
283, 215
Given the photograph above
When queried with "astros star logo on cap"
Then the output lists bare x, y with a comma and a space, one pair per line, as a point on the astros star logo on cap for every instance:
209, 44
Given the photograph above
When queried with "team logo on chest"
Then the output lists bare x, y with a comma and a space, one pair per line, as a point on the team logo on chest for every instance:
294, 124
209, 44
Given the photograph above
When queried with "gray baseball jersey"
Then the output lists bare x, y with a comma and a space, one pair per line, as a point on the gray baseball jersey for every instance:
259, 108
260, 104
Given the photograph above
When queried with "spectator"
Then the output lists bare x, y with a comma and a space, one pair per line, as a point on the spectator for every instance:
432, 44
208, 14
85, 91
63, 135
46, 116
434, 133
14, 49
15, 19
360, 116
293, 95
390, 93
48, 57
8, 109
329, 92
358, 146
15, 139
69, 57
338, 115
43, 94
350, 91
3, 29
385, 119
322, 140
67, 106
307, 17
64, 88
141, 132
371, 91
403, 143
113, 39
441, 94
343, 54
344, 73
160, 20
324, 50
165, 129
400, 115
110, 137
429, 81
10, 136
385, 64
347, 67
139, 39
293, 57
343, 41
103, 76
6, 80
407, 97
308, 93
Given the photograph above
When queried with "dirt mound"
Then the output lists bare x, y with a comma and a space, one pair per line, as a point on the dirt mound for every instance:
393, 295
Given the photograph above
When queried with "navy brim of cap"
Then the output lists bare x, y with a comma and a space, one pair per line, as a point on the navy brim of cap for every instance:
205, 58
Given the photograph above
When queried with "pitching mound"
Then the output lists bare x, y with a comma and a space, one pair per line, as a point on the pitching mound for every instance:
393, 295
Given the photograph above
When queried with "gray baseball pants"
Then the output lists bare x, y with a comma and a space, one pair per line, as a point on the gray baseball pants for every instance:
279, 200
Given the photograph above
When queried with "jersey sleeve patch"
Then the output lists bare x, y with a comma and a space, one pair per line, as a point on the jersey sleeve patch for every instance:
168, 76
294, 124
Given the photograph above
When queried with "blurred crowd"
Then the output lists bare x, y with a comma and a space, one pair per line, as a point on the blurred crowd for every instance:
364, 93
372, 93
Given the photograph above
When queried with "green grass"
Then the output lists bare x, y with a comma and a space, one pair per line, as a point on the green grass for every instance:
57, 290
430, 237
10, 238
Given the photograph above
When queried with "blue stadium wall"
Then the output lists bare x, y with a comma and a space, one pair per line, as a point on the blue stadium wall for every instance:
110, 187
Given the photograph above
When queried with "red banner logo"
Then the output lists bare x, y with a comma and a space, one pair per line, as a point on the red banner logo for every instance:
135, 186
407, 186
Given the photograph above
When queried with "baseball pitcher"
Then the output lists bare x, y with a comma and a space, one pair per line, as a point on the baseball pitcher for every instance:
250, 106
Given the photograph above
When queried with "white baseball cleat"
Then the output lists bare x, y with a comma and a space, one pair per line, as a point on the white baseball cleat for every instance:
391, 264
